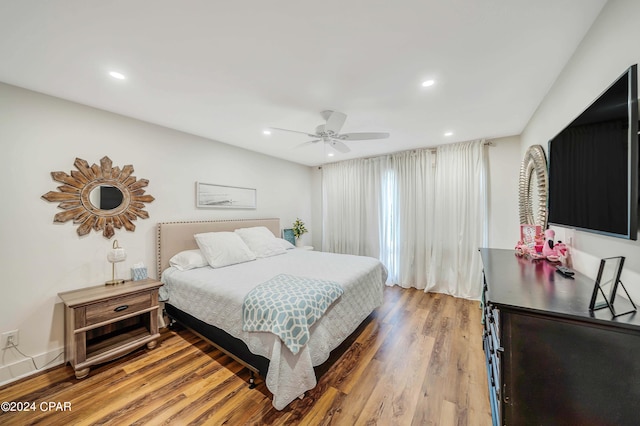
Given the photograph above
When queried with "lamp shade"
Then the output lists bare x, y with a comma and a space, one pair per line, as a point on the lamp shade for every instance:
115, 254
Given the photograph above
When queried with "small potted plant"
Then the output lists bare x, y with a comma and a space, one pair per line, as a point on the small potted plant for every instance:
298, 230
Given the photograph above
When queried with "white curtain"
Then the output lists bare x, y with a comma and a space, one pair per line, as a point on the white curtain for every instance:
408, 202
351, 204
460, 215
422, 213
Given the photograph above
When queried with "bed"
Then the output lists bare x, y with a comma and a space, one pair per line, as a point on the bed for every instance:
209, 301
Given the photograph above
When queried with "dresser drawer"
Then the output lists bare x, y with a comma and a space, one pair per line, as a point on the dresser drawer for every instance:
117, 307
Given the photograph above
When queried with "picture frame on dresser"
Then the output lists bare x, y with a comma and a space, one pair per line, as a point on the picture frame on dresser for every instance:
608, 281
528, 234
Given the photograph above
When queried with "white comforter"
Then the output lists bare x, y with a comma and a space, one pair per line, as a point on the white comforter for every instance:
215, 296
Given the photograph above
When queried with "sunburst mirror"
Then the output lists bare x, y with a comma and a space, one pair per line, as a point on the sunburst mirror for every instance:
100, 197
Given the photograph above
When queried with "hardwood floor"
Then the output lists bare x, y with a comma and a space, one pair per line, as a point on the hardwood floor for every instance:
418, 360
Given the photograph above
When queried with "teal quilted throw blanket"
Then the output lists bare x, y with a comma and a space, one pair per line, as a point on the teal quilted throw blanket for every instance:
287, 306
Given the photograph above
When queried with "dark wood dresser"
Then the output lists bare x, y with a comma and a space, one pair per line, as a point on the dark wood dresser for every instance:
549, 360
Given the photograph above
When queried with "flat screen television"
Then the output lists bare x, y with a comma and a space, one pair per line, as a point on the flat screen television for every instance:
593, 165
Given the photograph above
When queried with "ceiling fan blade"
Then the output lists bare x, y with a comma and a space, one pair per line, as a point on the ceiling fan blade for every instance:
335, 122
362, 136
294, 131
339, 146
306, 143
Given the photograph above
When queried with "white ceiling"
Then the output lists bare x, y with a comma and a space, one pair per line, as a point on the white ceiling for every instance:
226, 70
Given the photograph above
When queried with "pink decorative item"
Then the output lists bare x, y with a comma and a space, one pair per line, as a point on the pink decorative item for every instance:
539, 244
548, 249
521, 249
563, 253
561, 248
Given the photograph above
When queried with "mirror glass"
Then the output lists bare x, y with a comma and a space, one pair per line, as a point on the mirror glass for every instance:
534, 197
533, 188
106, 197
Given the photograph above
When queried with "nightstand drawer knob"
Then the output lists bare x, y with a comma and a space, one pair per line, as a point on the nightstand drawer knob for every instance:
121, 308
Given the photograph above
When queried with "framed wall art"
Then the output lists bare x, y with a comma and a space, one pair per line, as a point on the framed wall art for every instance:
211, 196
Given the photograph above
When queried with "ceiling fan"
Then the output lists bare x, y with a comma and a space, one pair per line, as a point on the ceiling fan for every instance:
330, 132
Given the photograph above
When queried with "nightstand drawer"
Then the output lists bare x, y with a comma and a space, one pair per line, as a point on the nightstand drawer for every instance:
119, 306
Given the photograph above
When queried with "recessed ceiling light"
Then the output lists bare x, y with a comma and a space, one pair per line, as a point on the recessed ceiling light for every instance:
448, 134
331, 154
117, 75
428, 83
266, 132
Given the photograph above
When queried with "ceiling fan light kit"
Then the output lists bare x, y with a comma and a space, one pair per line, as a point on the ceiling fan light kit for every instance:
330, 132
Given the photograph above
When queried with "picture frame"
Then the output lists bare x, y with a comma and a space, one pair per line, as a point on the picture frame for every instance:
528, 234
213, 196
608, 281
287, 234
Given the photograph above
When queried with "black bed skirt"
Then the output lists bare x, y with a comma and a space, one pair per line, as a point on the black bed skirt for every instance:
221, 338
238, 349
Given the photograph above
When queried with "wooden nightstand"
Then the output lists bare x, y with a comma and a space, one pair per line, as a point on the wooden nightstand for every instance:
105, 322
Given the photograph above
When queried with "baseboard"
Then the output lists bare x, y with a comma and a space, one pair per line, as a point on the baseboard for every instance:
24, 367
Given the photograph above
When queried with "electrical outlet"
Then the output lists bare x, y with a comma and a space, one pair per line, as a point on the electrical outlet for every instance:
9, 339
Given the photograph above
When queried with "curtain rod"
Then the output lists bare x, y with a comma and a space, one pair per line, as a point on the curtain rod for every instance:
433, 150
486, 143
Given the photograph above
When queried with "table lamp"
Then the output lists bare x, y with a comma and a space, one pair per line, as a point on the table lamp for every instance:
116, 254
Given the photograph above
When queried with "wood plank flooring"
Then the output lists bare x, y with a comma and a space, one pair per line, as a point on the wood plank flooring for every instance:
418, 360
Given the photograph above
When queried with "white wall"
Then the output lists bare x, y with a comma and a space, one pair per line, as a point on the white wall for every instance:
504, 173
39, 259
608, 49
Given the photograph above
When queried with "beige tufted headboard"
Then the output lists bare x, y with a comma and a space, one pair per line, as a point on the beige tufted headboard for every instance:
174, 237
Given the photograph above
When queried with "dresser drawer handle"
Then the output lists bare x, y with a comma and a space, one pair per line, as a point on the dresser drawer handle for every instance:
121, 308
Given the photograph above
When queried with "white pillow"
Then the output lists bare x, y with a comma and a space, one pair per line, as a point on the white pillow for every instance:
261, 241
188, 259
223, 248
285, 244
